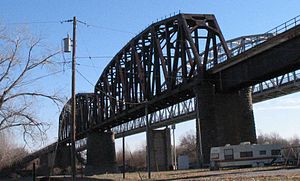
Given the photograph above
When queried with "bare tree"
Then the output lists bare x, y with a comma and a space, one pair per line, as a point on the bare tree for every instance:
187, 145
23, 60
275, 138
133, 159
138, 158
9, 152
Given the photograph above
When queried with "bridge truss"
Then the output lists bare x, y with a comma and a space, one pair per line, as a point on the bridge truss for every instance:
158, 60
155, 63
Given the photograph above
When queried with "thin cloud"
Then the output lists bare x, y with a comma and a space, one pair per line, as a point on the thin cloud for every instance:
281, 104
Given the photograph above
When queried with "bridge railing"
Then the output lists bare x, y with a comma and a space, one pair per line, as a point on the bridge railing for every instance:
277, 82
285, 26
258, 40
238, 46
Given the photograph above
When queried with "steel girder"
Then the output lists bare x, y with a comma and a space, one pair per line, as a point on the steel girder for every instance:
84, 115
159, 60
185, 110
149, 54
156, 67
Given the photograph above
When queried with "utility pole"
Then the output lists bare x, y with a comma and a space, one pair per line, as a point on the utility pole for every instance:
73, 111
199, 151
67, 45
174, 147
148, 140
123, 145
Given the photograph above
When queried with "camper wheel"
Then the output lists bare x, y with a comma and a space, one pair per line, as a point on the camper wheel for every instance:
213, 166
254, 164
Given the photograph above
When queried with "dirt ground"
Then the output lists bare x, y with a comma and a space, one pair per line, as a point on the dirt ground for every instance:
251, 174
261, 174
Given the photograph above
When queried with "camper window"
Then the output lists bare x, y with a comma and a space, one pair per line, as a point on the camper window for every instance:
275, 152
228, 154
214, 156
262, 152
246, 154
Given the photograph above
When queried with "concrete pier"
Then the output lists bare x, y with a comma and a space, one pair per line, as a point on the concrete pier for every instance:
43, 165
223, 118
160, 154
101, 154
63, 158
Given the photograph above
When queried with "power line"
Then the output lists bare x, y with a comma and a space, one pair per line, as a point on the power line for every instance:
44, 76
110, 29
32, 22
84, 77
90, 57
94, 57
100, 27
64, 21
91, 66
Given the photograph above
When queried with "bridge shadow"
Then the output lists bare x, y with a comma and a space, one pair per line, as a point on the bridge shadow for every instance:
218, 174
68, 178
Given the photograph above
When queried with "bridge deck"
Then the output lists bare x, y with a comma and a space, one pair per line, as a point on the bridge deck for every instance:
277, 56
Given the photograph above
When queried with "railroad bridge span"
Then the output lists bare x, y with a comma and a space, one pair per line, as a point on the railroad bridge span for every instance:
184, 60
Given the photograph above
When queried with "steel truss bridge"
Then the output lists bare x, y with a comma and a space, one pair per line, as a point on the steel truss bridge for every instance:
159, 67
183, 111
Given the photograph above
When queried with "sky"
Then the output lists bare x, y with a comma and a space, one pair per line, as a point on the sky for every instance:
111, 24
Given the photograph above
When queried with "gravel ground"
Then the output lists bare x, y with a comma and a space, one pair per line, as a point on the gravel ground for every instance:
253, 174
261, 174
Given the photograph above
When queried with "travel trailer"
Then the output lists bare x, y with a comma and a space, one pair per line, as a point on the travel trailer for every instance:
245, 154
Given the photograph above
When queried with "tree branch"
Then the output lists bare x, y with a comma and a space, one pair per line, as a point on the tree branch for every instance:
10, 59
54, 98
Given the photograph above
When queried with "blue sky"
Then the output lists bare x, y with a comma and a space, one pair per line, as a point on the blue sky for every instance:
116, 22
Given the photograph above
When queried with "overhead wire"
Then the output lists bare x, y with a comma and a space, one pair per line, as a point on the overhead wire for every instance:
44, 76
33, 22
84, 77
87, 50
110, 29
95, 57
84, 65
100, 27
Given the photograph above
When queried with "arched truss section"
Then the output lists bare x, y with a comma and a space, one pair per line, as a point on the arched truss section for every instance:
84, 116
185, 110
157, 62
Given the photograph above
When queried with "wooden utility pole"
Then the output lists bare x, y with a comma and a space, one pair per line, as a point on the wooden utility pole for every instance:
124, 166
148, 140
73, 111
174, 148
199, 148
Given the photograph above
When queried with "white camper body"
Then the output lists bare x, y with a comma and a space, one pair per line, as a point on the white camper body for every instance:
244, 154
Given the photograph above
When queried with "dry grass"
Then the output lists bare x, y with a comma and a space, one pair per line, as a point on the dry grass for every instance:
261, 174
